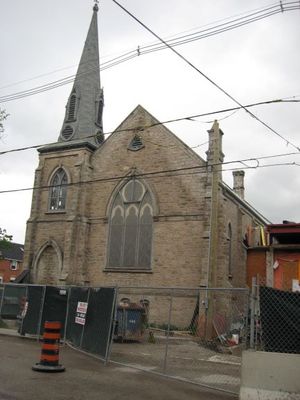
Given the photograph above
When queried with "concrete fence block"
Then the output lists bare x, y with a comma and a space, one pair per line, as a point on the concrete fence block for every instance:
270, 376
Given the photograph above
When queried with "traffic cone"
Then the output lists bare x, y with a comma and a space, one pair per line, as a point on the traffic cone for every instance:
50, 349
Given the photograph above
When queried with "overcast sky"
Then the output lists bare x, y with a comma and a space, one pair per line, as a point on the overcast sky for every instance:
256, 62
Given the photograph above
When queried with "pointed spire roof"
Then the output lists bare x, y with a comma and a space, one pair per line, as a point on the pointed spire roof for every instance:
83, 118
88, 72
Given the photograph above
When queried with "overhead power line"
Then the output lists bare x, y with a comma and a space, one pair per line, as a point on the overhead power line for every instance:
141, 128
197, 169
146, 49
233, 24
206, 76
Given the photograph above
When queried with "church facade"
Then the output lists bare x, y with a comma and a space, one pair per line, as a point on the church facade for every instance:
138, 208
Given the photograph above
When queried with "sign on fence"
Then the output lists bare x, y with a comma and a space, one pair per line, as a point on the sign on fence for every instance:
25, 308
81, 312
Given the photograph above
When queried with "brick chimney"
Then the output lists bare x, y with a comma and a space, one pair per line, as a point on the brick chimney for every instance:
238, 183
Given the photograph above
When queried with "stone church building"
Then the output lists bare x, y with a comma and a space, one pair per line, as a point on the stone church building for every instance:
136, 208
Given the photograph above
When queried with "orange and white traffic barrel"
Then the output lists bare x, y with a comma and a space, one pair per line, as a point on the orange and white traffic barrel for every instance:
49, 360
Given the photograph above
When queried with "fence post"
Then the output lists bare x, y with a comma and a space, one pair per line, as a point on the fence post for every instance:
41, 313
82, 333
67, 314
252, 312
2, 299
23, 316
168, 331
113, 319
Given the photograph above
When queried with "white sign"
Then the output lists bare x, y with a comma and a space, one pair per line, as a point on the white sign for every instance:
81, 313
80, 320
82, 307
296, 286
24, 311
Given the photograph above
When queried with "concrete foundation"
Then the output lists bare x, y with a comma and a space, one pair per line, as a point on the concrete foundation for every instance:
270, 376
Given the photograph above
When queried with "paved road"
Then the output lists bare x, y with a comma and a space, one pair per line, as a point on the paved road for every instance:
84, 378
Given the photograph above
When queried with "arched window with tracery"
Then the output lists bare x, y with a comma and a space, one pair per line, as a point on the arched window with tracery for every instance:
58, 190
131, 230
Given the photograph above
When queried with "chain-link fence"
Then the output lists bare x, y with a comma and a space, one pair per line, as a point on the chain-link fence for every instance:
274, 319
196, 335
193, 334
86, 314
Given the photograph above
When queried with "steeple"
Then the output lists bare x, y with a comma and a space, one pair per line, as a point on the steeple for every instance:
83, 118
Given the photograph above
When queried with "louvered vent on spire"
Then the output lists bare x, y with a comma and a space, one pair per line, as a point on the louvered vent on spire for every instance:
72, 107
67, 133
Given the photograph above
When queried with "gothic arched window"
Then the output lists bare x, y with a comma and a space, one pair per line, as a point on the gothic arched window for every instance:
130, 231
58, 190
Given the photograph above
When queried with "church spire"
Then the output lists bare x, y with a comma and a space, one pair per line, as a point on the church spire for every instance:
83, 118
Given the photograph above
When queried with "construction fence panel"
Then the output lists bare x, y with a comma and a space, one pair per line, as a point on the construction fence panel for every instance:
99, 321
32, 310
1, 297
90, 319
279, 320
54, 307
137, 312
86, 314
76, 322
191, 334
11, 300
196, 335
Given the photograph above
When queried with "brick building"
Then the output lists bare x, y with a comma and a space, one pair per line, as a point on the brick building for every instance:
138, 208
276, 263
11, 261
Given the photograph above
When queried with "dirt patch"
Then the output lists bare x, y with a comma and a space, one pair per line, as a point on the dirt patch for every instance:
181, 356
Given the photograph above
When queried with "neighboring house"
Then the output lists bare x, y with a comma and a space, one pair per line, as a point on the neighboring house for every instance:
11, 261
137, 209
277, 263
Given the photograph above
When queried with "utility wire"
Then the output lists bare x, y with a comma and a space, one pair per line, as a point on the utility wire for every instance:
141, 50
221, 28
207, 77
171, 37
142, 128
174, 171
169, 172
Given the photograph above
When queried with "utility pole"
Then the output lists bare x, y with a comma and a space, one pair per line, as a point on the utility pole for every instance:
215, 158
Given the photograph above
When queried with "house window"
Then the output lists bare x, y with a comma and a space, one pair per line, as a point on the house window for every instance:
14, 265
58, 190
130, 231
1, 279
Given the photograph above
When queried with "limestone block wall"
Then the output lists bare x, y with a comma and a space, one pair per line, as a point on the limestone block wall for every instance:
178, 198
180, 187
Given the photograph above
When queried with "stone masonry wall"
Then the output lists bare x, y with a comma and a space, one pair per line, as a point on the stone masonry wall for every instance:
181, 188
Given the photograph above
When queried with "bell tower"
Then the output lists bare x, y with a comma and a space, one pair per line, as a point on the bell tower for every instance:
58, 227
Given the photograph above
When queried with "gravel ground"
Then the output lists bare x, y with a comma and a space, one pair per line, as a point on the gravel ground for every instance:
182, 357
85, 378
